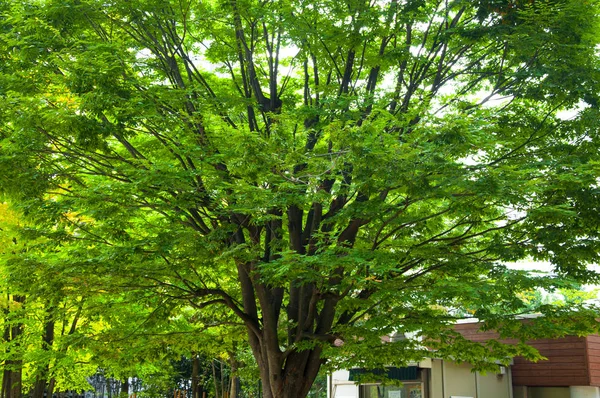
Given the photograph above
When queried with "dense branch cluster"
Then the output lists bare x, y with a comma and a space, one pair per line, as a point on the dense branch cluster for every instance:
319, 170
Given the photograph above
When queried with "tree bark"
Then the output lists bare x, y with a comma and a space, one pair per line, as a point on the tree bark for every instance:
195, 379
12, 380
234, 380
215, 381
42, 382
124, 388
6, 373
51, 385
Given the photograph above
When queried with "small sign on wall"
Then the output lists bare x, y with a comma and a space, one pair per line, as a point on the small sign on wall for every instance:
395, 394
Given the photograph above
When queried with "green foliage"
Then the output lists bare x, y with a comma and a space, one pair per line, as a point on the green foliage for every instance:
295, 173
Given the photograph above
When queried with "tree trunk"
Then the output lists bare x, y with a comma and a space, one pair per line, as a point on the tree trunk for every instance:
51, 385
13, 367
234, 387
289, 378
124, 392
215, 381
195, 378
6, 383
38, 388
42, 383
223, 389
234, 380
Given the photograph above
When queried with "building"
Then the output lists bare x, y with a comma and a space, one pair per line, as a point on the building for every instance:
572, 370
430, 378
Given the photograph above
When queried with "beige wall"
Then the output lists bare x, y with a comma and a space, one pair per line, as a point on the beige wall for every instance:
459, 380
519, 392
435, 387
493, 385
584, 392
548, 392
451, 379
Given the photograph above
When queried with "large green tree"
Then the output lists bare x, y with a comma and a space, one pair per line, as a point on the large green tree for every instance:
323, 172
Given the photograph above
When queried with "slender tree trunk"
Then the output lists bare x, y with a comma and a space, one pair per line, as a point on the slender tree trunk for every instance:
124, 392
215, 381
234, 380
51, 385
6, 372
6, 382
234, 387
223, 390
12, 381
195, 379
38, 388
42, 382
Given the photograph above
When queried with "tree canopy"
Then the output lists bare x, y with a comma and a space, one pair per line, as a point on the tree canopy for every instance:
321, 173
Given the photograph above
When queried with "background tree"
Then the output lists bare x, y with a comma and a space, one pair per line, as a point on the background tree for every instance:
319, 170
12, 311
41, 316
69, 332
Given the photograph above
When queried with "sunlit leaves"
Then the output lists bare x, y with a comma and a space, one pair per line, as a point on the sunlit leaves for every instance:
314, 170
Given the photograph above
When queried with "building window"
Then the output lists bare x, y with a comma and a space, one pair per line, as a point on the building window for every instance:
409, 389
415, 384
